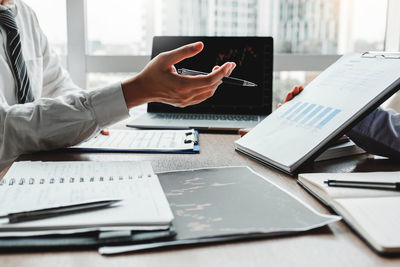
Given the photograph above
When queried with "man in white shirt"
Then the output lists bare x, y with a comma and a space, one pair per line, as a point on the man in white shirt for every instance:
62, 114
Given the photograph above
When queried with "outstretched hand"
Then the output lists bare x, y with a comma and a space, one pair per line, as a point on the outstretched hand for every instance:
160, 82
295, 91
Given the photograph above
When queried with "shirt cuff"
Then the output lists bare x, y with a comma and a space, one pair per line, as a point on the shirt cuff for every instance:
109, 105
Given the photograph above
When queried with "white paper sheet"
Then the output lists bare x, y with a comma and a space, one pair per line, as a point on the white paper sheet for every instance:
143, 140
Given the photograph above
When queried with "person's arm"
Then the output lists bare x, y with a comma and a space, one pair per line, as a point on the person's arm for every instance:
378, 133
158, 82
54, 123
62, 115
75, 115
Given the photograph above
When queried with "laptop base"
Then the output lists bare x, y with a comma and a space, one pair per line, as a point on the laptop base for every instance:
155, 121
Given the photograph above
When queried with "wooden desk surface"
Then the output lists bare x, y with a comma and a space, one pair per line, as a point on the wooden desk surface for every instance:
334, 245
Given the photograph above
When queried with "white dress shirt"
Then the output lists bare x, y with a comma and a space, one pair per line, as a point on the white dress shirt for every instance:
62, 114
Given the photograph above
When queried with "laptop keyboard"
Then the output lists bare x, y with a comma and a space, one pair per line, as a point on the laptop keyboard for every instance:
216, 117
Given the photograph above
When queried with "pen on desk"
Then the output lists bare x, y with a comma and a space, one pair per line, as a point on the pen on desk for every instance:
227, 80
51, 212
365, 185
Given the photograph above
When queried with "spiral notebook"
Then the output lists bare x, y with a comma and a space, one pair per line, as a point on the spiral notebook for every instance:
37, 185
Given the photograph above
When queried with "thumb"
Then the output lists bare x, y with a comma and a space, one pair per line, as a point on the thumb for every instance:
174, 56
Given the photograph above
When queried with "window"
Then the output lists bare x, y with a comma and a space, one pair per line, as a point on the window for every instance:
120, 28
309, 35
337, 26
53, 23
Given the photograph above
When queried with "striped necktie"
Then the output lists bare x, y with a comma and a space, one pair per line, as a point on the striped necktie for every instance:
14, 51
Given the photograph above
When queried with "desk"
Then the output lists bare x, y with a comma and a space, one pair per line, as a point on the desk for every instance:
334, 245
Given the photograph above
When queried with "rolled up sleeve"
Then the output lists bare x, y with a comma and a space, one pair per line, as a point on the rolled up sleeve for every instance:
51, 123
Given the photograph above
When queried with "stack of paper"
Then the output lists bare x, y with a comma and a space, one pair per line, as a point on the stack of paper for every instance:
37, 185
341, 150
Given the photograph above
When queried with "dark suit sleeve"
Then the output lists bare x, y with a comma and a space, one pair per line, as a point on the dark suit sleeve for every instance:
379, 133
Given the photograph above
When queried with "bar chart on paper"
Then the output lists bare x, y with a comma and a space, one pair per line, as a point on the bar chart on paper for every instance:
310, 115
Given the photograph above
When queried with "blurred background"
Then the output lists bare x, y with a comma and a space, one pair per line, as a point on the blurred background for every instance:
102, 41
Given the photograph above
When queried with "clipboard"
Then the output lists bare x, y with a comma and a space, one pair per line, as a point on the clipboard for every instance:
143, 141
335, 101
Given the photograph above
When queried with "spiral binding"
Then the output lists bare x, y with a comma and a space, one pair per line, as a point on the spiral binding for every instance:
62, 180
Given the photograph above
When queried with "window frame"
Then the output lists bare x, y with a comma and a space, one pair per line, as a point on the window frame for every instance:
79, 63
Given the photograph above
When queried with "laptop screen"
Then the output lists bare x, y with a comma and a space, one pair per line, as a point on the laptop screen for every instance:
254, 62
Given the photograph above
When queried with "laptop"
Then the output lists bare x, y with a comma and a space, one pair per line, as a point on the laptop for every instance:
232, 107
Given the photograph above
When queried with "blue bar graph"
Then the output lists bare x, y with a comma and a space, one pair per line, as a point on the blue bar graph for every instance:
320, 116
302, 114
312, 114
297, 111
291, 109
328, 118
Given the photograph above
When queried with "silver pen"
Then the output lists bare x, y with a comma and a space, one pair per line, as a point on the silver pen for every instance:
364, 184
227, 80
59, 210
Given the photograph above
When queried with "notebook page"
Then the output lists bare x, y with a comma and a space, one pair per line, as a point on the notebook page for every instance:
141, 140
36, 185
58, 183
377, 219
317, 180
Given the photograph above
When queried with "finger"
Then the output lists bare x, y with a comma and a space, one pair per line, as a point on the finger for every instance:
186, 94
105, 132
215, 68
204, 80
233, 65
199, 90
289, 97
174, 56
242, 132
201, 97
193, 95
204, 92
279, 105
295, 91
301, 89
